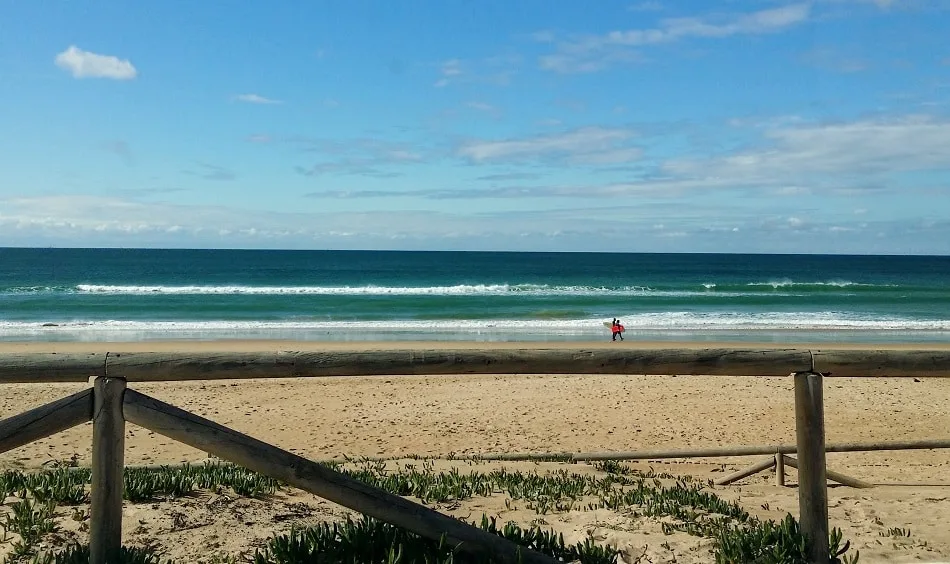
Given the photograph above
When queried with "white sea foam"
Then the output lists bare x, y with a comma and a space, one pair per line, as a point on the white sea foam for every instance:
786, 283
455, 290
667, 321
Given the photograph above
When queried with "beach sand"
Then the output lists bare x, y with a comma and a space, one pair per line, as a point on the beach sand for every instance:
437, 415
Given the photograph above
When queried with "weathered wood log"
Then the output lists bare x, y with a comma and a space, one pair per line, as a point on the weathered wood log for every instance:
832, 475
45, 420
883, 363
140, 367
715, 452
745, 472
108, 457
319, 480
50, 367
812, 485
737, 362
162, 367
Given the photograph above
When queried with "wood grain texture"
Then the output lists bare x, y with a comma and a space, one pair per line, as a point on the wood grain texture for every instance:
169, 366
883, 363
747, 471
45, 420
50, 367
812, 484
319, 480
108, 460
156, 367
832, 475
737, 362
780, 470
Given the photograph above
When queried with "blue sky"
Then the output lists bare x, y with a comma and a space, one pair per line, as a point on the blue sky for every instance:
737, 126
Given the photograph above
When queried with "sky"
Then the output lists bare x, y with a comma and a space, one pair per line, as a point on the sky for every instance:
641, 126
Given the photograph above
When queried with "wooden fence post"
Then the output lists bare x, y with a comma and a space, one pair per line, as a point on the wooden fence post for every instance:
108, 457
779, 470
812, 481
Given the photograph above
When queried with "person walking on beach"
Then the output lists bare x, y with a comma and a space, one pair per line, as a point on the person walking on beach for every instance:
616, 329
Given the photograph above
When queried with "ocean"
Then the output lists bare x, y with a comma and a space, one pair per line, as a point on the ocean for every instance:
147, 294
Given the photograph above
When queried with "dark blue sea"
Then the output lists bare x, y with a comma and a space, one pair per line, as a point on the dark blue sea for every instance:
144, 294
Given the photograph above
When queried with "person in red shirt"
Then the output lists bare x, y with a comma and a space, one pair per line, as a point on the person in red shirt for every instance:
616, 329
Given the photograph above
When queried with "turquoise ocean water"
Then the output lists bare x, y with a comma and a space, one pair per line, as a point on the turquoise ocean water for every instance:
136, 294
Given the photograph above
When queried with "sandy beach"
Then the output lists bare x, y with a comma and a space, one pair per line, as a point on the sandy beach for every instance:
438, 415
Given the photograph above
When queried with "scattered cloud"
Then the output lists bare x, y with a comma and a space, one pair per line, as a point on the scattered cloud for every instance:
256, 99
574, 63
847, 155
509, 176
350, 167
593, 53
259, 138
356, 157
484, 108
593, 145
71, 220
85, 64
449, 70
497, 70
212, 172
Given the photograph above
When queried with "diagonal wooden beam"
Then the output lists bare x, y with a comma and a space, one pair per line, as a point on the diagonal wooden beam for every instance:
834, 476
319, 480
766, 464
45, 420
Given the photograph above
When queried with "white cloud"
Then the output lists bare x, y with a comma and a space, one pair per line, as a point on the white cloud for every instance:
579, 146
497, 70
256, 99
355, 157
85, 64
840, 152
69, 220
484, 108
451, 68
596, 52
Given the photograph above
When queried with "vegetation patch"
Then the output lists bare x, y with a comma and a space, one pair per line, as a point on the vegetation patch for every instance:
680, 504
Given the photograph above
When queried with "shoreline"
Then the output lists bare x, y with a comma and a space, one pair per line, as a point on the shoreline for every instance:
263, 345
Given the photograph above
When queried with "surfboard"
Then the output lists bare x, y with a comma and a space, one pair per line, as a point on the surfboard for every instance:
610, 325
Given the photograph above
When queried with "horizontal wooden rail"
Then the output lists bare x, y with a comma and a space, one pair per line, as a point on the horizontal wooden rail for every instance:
713, 452
319, 480
145, 367
45, 420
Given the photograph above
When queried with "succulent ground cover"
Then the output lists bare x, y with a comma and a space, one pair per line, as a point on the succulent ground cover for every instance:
680, 504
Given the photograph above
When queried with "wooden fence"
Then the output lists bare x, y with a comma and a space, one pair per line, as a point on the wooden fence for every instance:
109, 404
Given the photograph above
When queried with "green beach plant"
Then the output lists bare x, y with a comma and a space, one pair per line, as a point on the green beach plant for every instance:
682, 503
